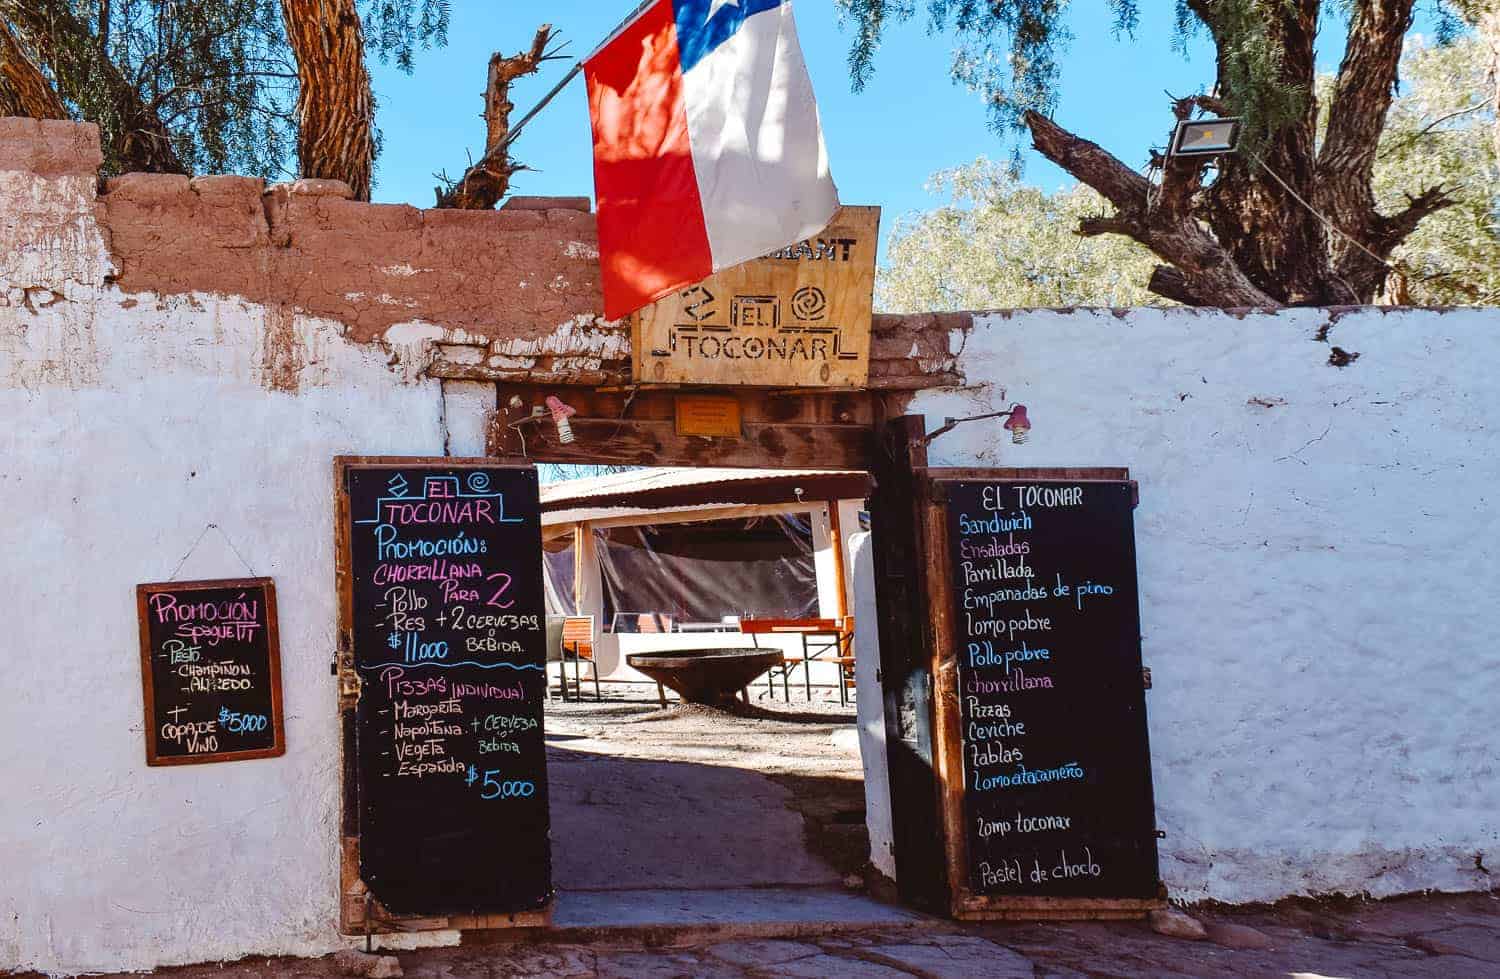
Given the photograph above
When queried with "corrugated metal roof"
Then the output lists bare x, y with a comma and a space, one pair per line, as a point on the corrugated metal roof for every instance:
573, 515
686, 486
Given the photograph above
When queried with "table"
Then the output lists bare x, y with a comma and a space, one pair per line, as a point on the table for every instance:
704, 676
818, 636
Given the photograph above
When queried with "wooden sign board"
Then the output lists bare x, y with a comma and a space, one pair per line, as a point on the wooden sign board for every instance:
707, 416
439, 570
800, 317
210, 671
1041, 710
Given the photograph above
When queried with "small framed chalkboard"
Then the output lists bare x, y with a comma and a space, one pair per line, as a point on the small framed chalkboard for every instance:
210, 671
1040, 711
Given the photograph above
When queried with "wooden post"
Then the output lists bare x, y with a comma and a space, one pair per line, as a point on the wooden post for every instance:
906, 644
840, 576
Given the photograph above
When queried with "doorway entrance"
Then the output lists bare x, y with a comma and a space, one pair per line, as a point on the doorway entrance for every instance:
778, 431
702, 720
634, 427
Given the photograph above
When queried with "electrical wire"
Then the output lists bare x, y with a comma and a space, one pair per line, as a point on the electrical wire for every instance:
1328, 223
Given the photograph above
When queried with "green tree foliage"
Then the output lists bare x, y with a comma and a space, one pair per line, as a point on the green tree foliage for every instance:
1008, 50
1295, 216
1438, 132
1000, 244
218, 75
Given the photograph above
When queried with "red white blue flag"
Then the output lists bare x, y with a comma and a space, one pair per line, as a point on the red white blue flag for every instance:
708, 151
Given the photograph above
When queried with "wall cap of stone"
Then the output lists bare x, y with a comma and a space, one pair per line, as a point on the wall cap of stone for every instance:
319, 187
50, 147
227, 185
547, 204
149, 186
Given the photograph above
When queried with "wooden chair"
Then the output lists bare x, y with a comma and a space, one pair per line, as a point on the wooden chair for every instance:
578, 647
826, 635
555, 655
654, 623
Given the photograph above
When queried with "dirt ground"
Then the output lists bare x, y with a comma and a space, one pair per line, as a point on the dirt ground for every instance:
810, 750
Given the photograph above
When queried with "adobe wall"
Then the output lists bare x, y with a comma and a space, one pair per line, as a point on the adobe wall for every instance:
180, 361
1316, 550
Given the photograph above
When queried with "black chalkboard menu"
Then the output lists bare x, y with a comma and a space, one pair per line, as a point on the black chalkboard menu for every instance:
1045, 618
210, 671
444, 600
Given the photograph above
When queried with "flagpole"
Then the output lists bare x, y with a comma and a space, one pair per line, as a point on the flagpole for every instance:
515, 130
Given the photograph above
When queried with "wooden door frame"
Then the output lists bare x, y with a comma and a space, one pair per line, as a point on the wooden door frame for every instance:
635, 425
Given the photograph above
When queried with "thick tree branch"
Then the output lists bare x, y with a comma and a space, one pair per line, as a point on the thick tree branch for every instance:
1488, 23
1169, 283
142, 142
24, 90
1364, 88
1366, 273
1091, 163
335, 106
1103, 225
1362, 95
485, 183
1391, 230
1170, 231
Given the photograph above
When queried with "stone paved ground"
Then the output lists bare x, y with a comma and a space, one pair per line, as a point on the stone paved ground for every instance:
1450, 937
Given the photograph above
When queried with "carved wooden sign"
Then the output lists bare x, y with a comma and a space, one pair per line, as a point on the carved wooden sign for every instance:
799, 317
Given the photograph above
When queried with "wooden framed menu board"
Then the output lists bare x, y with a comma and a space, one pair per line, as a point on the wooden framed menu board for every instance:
1045, 764
210, 671
442, 650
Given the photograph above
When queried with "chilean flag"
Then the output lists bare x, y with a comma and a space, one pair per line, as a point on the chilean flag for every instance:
707, 147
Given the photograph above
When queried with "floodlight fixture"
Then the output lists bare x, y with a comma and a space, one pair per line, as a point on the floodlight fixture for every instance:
1205, 137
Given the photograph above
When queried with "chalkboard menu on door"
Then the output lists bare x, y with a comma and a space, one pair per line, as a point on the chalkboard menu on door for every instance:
210, 671
1045, 622
444, 607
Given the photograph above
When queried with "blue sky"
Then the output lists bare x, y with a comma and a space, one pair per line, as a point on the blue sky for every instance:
884, 142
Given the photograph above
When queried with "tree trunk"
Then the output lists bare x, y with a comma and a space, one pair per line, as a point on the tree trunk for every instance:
139, 141
1287, 256
24, 90
1362, 95
1282, 223
485, 183
335, 106
1489, 32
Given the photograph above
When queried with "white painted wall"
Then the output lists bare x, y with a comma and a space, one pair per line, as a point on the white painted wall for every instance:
130, 426
1315, 556
1316, 553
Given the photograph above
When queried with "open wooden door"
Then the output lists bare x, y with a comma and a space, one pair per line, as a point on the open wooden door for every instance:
1014, 693
441, 683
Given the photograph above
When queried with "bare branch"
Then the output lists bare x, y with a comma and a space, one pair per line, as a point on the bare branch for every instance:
1391, 230
1411, 138
485, 183
1089, 162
